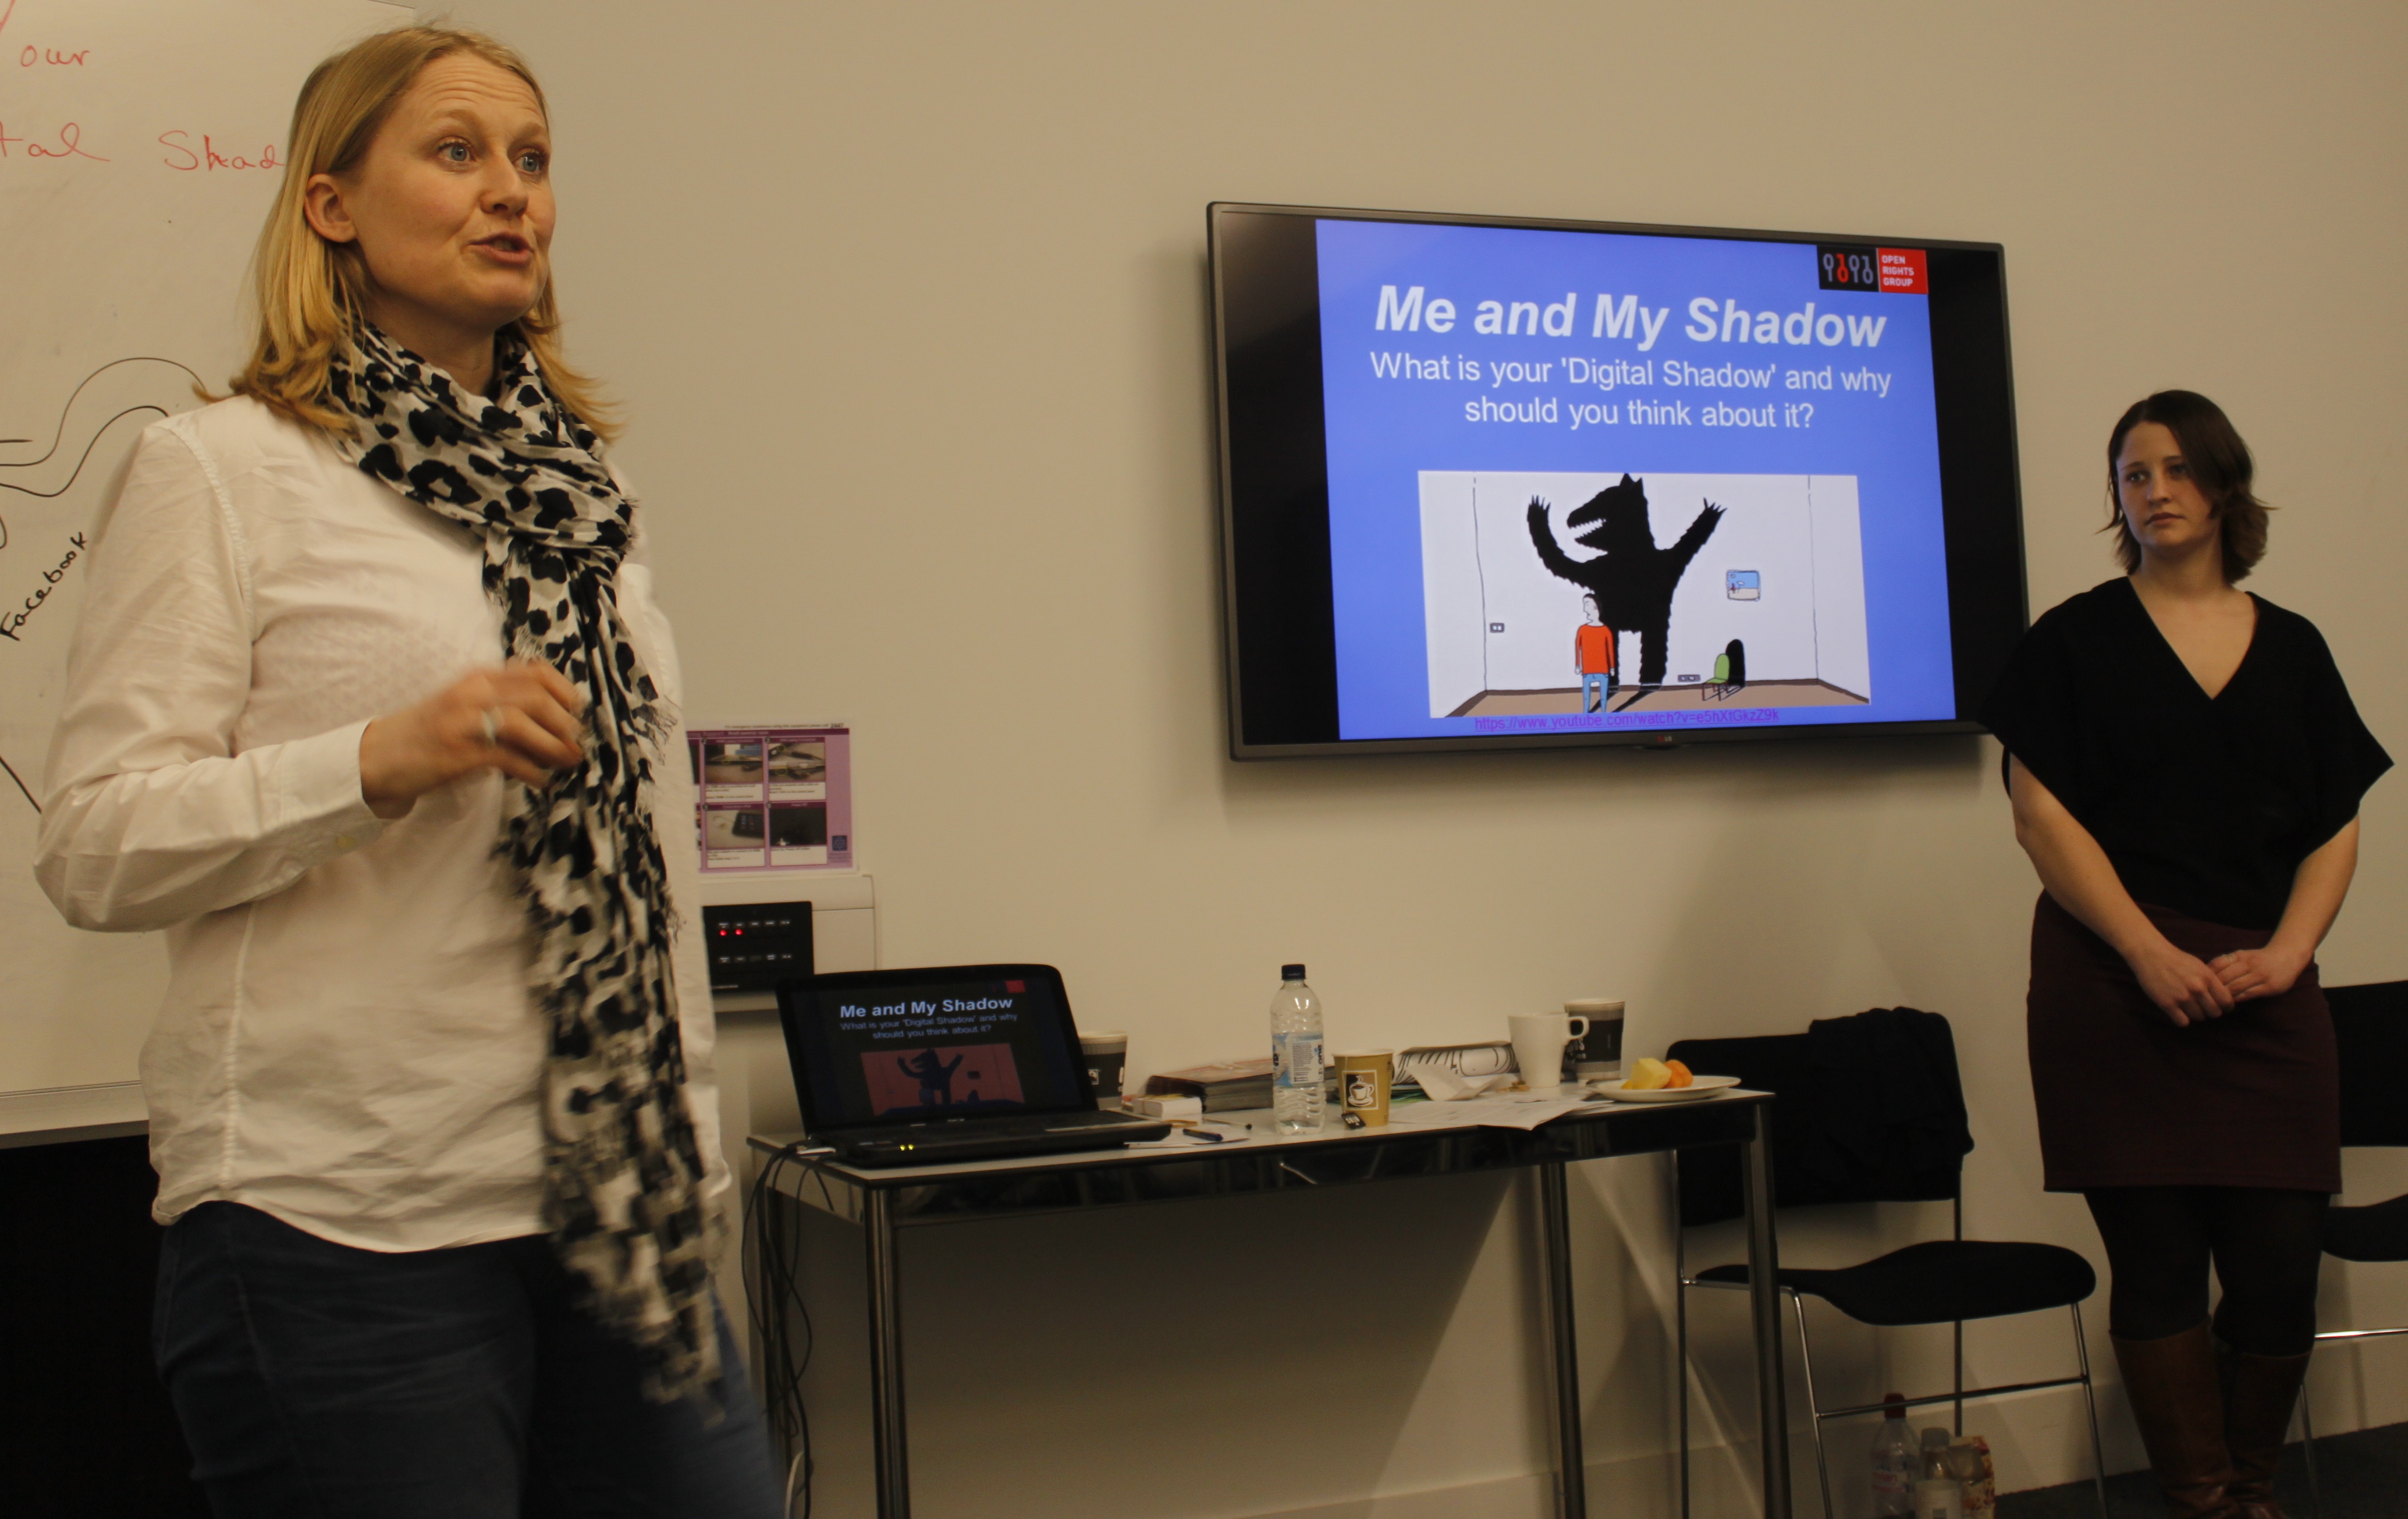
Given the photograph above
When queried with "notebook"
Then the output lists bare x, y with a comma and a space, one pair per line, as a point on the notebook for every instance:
914, 1068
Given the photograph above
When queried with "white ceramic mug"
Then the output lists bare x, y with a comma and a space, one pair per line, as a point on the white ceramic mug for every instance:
1539, 1040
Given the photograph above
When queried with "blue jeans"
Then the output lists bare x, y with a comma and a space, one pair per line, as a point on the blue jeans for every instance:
1600, 686
315, 1380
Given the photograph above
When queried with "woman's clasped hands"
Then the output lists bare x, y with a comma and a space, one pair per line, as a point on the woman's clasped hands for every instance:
2267, 973
2190, 990
523, 718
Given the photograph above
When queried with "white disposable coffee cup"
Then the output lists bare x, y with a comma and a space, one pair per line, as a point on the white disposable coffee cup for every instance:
1538, 1039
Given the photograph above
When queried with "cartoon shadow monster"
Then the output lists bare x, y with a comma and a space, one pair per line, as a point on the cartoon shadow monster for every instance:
935, 1078
1631, 578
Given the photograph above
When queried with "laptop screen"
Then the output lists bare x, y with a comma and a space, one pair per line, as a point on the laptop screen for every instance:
874, 1047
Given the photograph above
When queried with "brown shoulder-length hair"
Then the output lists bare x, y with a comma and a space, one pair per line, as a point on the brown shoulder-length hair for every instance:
311, 292
2219, 461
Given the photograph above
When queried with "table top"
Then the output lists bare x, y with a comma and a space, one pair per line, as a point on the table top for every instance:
1265, 1161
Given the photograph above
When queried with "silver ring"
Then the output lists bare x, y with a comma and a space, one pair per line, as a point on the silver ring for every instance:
493, 732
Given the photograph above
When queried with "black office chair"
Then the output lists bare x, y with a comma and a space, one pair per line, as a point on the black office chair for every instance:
2371, 1026
1873, 1114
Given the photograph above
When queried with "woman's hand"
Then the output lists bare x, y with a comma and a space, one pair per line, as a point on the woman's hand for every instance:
2078, 874
2317, 888
2185, 987
521, 720
2253, 973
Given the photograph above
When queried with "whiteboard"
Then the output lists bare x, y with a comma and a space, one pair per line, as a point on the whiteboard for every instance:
141, 145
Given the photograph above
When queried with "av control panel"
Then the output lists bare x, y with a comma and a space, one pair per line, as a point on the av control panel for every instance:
755, 946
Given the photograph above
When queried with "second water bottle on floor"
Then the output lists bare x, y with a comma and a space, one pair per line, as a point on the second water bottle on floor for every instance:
1898, 1466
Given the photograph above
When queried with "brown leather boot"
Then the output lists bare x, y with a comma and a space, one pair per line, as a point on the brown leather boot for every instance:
2259, 1392
2179, 1402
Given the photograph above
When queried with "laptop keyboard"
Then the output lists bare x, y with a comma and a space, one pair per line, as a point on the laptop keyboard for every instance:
999, 1127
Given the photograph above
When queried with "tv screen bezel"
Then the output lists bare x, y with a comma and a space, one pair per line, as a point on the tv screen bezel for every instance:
1282, 456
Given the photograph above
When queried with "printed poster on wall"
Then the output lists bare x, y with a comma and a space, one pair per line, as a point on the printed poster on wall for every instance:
774, 798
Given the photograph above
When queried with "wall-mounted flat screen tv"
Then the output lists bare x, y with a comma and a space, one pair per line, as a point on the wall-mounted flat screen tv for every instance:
1495, 484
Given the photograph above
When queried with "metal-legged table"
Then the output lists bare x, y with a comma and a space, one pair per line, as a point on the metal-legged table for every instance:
884, 1203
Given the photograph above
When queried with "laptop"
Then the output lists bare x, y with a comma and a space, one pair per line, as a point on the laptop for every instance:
915, 1068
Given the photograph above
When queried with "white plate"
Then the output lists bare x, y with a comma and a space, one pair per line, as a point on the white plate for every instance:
1699, 1086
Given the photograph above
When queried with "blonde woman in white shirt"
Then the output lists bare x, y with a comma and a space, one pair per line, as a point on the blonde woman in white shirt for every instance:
371, 709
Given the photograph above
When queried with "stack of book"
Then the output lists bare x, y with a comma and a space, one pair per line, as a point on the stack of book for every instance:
1225, 1087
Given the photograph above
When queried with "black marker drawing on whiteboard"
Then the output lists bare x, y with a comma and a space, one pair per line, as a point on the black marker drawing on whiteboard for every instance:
13, 619
116, 390
21, 786
140, 388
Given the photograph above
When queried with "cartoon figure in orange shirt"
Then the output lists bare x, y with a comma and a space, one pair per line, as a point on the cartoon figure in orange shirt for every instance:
1594, 658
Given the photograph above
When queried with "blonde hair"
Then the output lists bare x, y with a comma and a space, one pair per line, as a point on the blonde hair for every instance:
311, 292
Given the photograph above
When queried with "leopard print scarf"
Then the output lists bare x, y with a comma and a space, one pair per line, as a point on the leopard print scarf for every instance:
623, 1169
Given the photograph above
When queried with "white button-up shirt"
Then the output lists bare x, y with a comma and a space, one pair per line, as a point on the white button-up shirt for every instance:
349, 1042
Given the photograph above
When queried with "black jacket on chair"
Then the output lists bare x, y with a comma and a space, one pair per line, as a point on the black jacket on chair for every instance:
1870, 1110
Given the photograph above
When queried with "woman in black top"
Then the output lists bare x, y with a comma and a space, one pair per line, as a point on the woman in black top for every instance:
2186, 766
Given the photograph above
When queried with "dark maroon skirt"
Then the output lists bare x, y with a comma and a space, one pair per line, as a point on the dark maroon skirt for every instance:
2127, 1100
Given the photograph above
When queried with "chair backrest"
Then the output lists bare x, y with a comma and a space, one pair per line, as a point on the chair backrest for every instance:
2371, 1026
1870, 1110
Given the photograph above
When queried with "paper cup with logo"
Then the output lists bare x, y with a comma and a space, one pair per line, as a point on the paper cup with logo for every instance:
1601, 1046
1363, 1079
1107, 1058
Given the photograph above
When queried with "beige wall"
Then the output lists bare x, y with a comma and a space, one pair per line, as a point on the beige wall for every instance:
908, 305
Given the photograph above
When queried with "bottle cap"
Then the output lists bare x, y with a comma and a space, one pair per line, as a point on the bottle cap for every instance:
1894, 1405
1291, 973
1936, 1437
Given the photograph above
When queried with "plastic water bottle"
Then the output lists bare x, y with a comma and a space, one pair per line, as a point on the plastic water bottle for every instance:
1296, 1055
1939, 1498
1898, 1466
1933, 1458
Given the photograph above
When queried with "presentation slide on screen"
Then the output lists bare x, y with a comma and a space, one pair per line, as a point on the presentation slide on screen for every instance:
942, 1051
1586, 481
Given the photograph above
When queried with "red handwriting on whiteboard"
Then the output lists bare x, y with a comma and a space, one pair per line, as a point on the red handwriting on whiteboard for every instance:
33, 57
67, 142
209, 158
